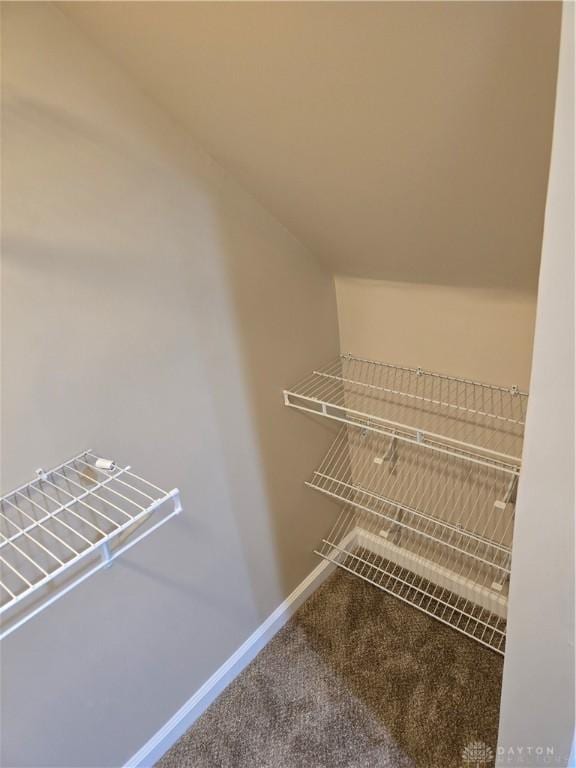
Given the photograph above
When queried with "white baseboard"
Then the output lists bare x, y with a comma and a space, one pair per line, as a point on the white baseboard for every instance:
179, 723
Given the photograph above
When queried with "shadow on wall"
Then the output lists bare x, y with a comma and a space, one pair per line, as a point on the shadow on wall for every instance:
284, 314
125, 314
107, 323
153, 312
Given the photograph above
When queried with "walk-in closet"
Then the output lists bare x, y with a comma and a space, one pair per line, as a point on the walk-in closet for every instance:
287, 379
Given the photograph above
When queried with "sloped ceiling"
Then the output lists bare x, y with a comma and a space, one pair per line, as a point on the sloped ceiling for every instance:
405, 141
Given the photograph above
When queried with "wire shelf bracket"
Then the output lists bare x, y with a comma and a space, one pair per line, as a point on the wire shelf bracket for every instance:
66, 525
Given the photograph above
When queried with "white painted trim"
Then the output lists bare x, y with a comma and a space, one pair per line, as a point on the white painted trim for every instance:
179, 723
185, 717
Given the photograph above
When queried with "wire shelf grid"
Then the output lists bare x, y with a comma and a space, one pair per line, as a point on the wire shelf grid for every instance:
355, 544
458, 514
427, 466
472, 419
82, 511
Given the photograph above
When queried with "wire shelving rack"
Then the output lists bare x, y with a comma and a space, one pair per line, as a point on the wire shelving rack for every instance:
426, 467
67, 524
445, 413
356, 545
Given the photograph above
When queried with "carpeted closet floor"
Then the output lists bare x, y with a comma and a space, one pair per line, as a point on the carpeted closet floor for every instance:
356, 679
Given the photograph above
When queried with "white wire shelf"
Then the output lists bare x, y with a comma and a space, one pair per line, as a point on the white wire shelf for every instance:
67, 524
427, 467
457, 513
356, 545
478, 421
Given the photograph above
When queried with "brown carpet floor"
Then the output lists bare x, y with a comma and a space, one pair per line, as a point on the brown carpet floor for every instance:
357, 679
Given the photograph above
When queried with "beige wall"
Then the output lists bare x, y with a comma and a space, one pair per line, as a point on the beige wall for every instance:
538, 686
483, 334
153, 311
